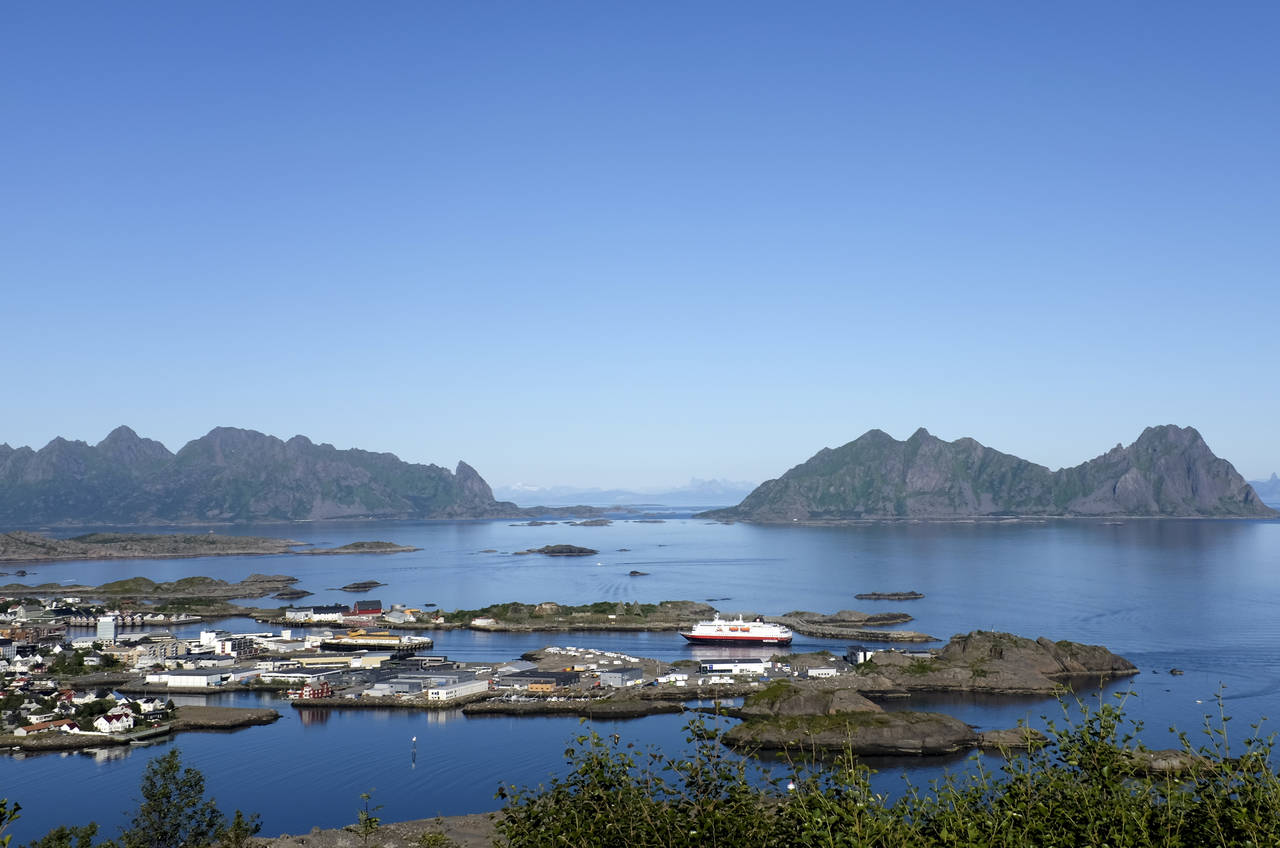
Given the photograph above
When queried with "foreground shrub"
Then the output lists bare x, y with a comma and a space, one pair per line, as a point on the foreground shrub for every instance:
1092, 784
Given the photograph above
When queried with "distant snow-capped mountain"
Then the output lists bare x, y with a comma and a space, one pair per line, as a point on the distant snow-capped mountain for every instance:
696, 493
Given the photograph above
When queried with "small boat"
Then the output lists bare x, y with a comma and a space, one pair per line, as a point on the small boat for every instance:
738, 632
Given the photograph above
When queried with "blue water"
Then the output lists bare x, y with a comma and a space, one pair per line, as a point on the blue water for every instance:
1199, 595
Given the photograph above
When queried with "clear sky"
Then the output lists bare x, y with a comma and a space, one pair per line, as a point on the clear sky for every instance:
628, 244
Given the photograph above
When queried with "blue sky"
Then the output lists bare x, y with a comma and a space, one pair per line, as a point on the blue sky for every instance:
596, 244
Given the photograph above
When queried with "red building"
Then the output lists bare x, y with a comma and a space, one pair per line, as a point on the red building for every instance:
367, 608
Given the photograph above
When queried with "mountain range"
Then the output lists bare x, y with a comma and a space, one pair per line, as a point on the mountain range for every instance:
1268, 490
229, 475
1167, 471
697, 493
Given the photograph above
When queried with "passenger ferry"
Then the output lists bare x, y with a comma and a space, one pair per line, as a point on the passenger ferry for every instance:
738, 632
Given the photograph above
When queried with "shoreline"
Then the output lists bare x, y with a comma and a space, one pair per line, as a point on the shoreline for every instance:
19, 547
974, 519
189, 719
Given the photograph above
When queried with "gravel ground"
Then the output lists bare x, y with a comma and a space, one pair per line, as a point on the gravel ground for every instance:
473, 831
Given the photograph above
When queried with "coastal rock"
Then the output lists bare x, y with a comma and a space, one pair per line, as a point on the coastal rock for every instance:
851, 624
1167, 471
143, 588
560, 550
889, 596
32, 547
862, 733
983, 661
198, 717
361, 586
362, 548
1013, 739
830, 715
796, 698
1168, 761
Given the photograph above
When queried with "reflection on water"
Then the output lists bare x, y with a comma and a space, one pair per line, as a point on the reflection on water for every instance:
311, 716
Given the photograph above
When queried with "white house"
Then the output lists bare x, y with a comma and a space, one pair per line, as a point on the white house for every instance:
114, 722
65, 725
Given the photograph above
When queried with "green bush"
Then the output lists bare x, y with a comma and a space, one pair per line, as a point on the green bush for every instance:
1091, 785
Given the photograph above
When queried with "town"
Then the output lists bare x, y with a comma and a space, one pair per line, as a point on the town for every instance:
111, 681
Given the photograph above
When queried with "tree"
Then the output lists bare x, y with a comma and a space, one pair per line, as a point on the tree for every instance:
173, 812
242, 829
367, 823
7, 815
68, 837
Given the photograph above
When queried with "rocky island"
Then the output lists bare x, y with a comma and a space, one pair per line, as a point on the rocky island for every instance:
21, 546
838, 713
603, 615
889, 596
997, 663
362, 548
1167, 472
851, 624
209, 594
560, 550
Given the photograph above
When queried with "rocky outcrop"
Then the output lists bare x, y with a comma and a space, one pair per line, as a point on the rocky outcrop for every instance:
785, 699
836, 714
230, 475
1013, 739
827, 714
851, 624
1167, 471
143, 588
865, 733
21, 546
560, 550
889, 596
983, 661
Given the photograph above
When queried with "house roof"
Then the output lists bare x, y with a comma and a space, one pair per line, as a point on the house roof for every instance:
45, 725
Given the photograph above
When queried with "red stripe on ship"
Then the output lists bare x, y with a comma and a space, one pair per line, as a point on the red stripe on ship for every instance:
728, 638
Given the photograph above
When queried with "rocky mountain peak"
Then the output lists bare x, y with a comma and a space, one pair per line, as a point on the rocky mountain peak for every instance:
471, 483
1157, 438
1167, 471
122, 434
122, 445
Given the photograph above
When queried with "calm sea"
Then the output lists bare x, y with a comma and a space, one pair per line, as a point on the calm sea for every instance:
1202, 596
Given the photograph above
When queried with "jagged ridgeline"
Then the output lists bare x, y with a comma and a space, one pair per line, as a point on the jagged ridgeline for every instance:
1168, 471
228, 475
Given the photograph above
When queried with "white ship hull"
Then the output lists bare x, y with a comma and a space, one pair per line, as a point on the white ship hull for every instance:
738, 632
